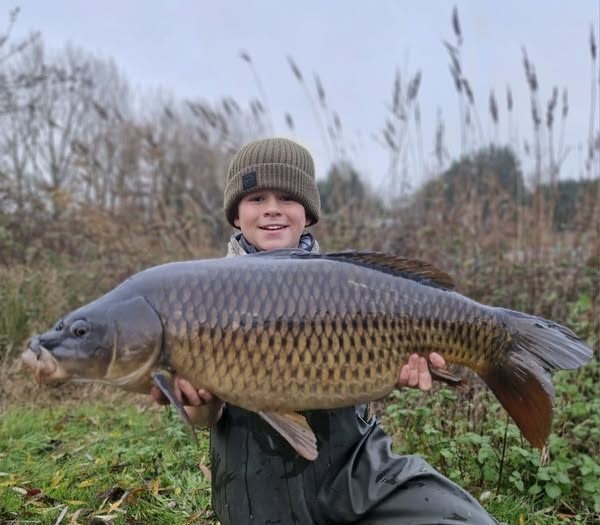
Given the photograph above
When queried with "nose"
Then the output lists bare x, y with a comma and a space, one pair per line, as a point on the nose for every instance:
48, 340
272, 206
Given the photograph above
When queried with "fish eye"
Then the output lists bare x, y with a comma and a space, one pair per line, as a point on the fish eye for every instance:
79, 328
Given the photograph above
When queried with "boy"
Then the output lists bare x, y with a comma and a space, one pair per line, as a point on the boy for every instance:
271, 196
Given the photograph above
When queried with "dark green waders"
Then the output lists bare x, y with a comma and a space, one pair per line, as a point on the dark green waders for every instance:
257, 478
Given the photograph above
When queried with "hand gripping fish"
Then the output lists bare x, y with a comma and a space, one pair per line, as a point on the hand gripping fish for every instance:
284, 331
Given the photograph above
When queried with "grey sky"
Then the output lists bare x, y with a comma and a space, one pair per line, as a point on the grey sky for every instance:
191, 48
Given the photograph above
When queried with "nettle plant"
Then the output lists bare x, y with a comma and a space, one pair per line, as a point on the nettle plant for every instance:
484, 452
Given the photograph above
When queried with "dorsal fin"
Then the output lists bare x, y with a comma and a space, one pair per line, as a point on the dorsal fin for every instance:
283, 252
414, 269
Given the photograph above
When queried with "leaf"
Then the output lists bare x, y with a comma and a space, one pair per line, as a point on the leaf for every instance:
561, 477
543, 474
75, 516
57, 478
521, 451
584, 302
490, 473
447, 454
487, 494
155, 487
106, 517
519, 484
592, 486
86, 483
114, 506
205, 470
552, 490
61, 515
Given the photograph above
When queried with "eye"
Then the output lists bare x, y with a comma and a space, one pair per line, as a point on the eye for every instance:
286, 197
255, 198
80, 328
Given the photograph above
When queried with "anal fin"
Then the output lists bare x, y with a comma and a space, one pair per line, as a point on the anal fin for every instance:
296, 431
449, 378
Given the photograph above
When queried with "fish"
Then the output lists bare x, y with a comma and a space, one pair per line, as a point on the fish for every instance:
285, 331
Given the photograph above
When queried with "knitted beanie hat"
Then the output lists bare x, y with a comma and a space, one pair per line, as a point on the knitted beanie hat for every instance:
272, 164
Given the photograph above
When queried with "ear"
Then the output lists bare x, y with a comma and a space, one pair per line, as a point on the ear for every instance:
236, 222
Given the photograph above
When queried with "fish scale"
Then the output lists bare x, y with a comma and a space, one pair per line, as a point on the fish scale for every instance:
286, 331
358, 374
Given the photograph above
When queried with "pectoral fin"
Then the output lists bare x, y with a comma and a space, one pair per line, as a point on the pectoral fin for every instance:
295, 429
164, 380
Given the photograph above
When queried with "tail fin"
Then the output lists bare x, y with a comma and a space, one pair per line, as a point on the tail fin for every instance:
521, 378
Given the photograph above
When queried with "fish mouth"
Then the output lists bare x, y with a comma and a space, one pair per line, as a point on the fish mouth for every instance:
43, 364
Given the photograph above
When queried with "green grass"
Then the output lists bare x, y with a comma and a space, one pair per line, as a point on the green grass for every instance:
138, 465
94, 460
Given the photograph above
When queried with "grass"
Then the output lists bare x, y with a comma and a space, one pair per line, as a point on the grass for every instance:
124, 463
117, 464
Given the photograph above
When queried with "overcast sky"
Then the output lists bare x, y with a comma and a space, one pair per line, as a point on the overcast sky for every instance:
192, 49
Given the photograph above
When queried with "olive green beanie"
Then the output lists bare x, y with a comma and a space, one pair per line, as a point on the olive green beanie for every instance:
272, 164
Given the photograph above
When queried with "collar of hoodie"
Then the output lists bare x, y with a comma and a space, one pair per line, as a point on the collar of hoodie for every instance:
239, 245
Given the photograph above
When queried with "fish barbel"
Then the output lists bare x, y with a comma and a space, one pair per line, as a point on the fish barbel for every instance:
284, 331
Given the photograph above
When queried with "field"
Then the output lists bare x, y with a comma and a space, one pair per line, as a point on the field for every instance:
88, 453
106, 458
91, 192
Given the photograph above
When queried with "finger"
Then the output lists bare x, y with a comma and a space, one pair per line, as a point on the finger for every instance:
413, 361
436, 360
205, 395
403, 378
177, 390
424, 375
189, 392
413, 375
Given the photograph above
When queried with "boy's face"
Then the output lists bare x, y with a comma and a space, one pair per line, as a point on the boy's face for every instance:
271, 219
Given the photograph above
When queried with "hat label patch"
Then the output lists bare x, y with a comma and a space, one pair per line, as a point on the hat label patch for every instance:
249, 181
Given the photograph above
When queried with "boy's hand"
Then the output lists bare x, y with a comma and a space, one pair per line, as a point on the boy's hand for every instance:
416, 372
203, 408
185, 392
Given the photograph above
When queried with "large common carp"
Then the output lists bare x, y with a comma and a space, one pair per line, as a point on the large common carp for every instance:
285, 331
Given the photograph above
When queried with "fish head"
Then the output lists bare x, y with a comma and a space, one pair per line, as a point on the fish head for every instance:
114, 342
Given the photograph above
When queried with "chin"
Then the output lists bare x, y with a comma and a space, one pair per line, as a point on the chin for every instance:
274, 244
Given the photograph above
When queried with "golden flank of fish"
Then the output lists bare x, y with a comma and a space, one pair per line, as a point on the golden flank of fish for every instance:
285, 331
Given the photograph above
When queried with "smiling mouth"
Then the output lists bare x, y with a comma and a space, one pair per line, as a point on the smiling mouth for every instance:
273, 228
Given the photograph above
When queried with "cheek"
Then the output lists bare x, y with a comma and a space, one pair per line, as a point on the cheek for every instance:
299, 216
246, 213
